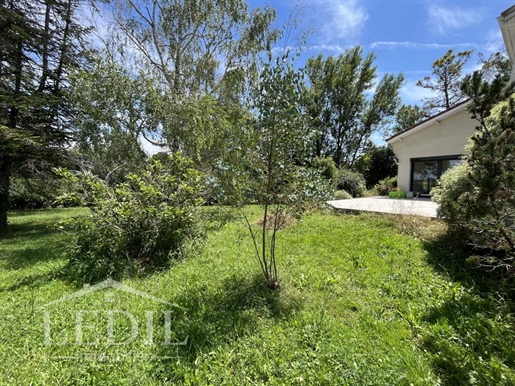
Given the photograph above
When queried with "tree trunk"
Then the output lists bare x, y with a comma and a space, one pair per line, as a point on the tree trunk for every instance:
5, 173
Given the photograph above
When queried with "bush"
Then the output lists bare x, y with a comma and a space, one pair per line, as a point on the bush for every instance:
32, 193
477, 199
341, 195
384, 187
377, 163
397, 193
326, 167
352, 182
44, 190
22, 198
450, 192
143, 222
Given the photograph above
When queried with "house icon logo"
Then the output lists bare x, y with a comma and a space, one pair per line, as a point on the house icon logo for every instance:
104, 325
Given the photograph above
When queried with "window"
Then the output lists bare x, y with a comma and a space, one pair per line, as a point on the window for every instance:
425, 172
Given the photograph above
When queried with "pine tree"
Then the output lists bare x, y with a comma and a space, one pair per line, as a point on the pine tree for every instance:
445, 82
39, 44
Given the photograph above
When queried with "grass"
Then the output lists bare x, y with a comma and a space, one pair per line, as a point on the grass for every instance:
362, 303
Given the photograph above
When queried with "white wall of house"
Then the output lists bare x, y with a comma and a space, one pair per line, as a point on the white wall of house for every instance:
445, 134
438, 137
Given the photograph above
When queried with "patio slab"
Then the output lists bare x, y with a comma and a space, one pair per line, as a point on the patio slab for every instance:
417, 206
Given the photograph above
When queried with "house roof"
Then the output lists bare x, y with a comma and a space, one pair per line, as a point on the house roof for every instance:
429, 121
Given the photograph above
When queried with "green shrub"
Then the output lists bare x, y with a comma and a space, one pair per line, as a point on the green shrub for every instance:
385, 186
477, 199
397, 193
143, 222
326, 167
22, 196
33, 192
44, 190
352, 182
450, 192
341, 195
376, 164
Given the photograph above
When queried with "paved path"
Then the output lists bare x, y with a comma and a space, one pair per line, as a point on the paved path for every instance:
419, 206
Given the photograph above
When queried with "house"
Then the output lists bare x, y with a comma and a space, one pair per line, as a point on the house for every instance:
429, 148
425, 151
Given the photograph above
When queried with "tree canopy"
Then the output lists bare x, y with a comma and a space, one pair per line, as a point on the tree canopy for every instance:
445, 82
407, 116
343, 114
41, 42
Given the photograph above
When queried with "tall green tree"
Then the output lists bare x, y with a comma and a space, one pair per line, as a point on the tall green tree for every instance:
343, 114
110, 118
407, 116
201, 57
377, 163
445, 82
40, 43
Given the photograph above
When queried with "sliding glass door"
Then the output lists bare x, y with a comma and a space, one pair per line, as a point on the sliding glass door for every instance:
426, 172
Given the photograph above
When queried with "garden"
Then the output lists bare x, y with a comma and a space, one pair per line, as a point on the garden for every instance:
162, 207
364, 300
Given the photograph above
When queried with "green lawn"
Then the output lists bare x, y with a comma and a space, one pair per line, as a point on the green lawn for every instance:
361, 304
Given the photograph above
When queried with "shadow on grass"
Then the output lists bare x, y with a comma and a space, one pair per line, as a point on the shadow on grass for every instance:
442, 256
25, 245
27, 231
215, 316
28, 257
470, 335
32, 281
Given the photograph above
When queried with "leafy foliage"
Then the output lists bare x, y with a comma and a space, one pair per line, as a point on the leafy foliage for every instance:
39, 192
451, 191
183, 42
478, 199
341, 195
397, 193
146, 221
352, 182
264, 165
385, 186
497, 64
377, 163
342, 114
199, 59
407, 116
326, 167
111, 116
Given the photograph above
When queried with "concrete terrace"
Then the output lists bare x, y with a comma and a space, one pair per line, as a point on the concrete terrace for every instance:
418, 206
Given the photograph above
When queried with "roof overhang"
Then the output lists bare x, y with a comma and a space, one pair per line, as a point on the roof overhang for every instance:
507, 24
434, 120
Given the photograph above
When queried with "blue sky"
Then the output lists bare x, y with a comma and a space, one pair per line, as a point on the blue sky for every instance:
407, 36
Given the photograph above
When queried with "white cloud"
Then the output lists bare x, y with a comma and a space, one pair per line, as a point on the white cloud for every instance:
494, 42
421, 46
315, 47
327, 47
413, 94
446, 18
341, 19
